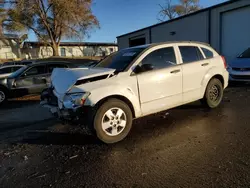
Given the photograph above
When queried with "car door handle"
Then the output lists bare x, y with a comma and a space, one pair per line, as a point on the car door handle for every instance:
175, 71
205, 64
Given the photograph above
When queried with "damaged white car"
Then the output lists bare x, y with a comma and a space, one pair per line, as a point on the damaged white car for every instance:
136, 82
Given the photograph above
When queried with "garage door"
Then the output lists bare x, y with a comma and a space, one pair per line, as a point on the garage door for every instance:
235, 32
137, 41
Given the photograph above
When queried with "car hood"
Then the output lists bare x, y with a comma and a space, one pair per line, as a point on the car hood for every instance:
240, 63
63, 79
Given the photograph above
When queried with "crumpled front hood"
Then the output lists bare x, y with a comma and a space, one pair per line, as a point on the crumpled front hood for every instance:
63, 79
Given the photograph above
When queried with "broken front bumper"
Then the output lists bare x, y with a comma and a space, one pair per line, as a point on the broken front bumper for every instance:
50, 101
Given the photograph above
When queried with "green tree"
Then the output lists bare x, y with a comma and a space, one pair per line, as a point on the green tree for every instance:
184, 7
51, 20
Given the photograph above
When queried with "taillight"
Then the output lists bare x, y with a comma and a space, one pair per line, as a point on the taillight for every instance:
224, 61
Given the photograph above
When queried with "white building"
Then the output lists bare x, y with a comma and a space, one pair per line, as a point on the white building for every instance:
69, 49
9, 47
226, 27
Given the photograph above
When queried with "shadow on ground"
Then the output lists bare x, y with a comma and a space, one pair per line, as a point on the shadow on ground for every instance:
57, 138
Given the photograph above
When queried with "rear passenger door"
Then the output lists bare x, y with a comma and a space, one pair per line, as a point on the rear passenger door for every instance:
194, 67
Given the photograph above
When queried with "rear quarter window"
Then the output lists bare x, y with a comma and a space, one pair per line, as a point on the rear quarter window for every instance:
208, 53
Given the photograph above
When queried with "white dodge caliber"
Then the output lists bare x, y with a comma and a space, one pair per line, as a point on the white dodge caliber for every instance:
136, 82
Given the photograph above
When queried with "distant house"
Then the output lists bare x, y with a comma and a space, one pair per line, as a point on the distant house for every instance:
68, 49
9, 47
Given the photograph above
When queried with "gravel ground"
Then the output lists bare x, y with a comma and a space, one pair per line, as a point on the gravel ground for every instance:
184, 147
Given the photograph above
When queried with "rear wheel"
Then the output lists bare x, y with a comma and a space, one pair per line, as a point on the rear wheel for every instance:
214, 93
113, 121
3, 96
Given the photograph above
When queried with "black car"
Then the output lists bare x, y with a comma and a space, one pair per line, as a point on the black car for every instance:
30, 79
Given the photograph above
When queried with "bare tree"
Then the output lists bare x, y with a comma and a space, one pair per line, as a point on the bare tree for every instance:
51, 20
187, 7
167, 10
184, 7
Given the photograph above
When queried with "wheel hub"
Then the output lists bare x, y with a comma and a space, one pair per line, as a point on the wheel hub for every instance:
114, 121
214, 93
2, 96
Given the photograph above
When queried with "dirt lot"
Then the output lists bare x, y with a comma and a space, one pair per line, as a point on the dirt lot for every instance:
185, 147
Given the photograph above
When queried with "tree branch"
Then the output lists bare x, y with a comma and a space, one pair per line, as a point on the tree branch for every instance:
44, 19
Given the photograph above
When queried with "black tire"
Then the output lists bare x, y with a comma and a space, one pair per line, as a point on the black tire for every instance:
112, 104
213, 94
3, 93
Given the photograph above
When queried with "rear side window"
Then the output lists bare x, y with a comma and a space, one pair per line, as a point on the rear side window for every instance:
208, 53
52, 66
5, 70
190, 54
161, 58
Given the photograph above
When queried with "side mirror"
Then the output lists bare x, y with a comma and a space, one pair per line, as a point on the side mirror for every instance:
143, 68
147, 67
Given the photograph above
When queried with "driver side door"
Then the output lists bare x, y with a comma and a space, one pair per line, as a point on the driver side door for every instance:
161, 87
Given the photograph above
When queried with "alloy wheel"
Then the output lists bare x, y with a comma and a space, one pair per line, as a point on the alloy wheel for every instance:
2, 96
114, 121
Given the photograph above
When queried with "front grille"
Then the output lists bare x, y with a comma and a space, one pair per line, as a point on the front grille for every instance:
242, 77
241, 69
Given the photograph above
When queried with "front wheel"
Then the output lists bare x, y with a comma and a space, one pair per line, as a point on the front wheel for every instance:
113, 121
214, 93
3, 96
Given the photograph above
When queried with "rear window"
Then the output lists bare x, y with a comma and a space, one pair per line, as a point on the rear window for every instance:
245, 54
190, 54
208, 53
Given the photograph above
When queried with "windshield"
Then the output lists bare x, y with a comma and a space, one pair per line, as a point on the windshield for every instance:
245, 54
18, 72
120, 60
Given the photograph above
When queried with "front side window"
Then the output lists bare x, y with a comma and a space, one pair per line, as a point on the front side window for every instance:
120, 60
160, 58
208, 53
35, 70
245, 54
18, 72
190, 54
